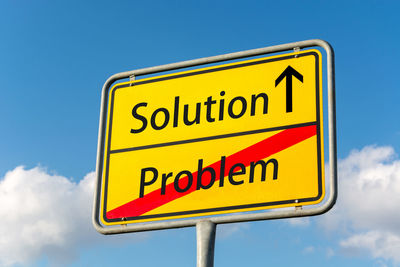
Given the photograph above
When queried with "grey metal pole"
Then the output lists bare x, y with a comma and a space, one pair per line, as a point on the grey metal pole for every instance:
205, 231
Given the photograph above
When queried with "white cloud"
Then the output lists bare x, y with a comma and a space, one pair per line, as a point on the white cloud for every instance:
227, 230
384, 245
308, 250
330, 253
45, 215
366, 213
299, 222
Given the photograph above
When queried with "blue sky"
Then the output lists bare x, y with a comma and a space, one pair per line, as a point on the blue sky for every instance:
55, 57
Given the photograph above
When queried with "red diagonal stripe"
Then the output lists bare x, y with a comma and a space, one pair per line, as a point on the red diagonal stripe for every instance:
258, 151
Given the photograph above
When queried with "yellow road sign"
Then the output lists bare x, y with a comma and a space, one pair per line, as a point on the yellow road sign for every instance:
230, 138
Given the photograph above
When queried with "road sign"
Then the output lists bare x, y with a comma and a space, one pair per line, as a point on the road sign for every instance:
230, 138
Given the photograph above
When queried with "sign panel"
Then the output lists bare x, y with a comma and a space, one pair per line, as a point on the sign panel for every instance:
224, 139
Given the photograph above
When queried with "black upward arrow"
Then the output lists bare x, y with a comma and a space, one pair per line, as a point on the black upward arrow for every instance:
288, 73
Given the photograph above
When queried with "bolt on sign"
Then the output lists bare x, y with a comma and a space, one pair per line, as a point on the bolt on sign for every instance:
231, 138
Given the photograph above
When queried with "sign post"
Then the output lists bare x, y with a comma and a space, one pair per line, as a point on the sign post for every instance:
205, 231
217, 144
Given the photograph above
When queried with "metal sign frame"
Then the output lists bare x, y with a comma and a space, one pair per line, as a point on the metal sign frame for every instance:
268, 215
